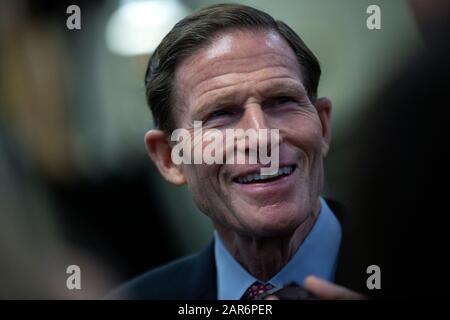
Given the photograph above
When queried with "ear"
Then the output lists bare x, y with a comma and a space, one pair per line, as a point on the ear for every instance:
159, 150
323, 107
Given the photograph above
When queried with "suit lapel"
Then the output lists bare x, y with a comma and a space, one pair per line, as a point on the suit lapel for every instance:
350, 270
204, 274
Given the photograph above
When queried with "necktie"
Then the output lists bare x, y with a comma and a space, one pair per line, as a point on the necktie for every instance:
256, 289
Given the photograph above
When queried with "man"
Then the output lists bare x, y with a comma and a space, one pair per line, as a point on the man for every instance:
235, 67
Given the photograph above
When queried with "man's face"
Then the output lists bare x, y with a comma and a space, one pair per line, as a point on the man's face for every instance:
252, 80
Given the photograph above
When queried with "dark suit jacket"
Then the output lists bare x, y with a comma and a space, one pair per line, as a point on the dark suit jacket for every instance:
194, 277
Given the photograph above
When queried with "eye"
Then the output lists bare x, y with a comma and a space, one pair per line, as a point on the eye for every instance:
219, 114
282, 100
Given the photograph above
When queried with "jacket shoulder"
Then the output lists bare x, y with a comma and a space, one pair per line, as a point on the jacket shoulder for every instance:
184, 278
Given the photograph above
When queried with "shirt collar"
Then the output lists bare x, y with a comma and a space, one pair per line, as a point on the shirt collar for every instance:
317, 255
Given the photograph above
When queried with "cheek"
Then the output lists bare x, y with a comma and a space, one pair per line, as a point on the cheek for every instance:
306, 135
196, 186
203, 185
303, 125
198, 177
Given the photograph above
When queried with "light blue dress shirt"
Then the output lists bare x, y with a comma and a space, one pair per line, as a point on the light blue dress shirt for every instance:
317, 255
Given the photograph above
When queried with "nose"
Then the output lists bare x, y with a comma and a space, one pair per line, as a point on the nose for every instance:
253, 117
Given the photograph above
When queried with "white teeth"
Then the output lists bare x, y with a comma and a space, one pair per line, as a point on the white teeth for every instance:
256, 177
286, 170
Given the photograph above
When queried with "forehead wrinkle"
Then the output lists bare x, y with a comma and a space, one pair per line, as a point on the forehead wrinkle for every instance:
261, 89
239, 65
225, 80
205, 60
191, 69
196, 91
244, 84
203, 83
280, 84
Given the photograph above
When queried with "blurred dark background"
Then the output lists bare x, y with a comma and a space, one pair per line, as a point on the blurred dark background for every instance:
76, 184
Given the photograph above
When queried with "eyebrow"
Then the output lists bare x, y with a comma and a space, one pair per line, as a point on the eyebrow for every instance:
217, 103
276, 87
284, 87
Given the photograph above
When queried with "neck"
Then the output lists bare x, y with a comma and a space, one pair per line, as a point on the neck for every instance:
264, 257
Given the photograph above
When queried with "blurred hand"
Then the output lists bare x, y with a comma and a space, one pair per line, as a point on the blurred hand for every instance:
329, 291
326, 290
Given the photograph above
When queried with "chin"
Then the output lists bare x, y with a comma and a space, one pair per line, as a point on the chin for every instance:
276, 224
272, 231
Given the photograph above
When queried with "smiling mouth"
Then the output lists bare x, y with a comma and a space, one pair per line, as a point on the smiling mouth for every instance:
259, 178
